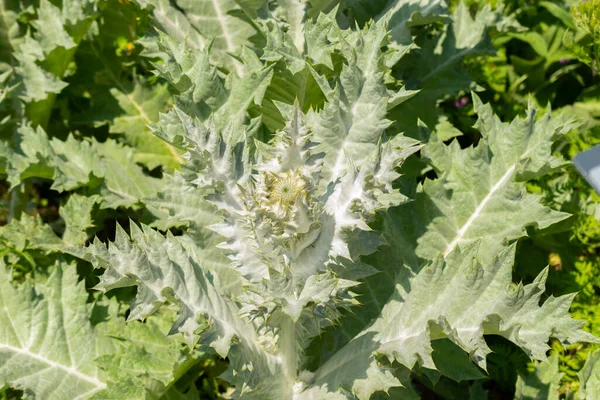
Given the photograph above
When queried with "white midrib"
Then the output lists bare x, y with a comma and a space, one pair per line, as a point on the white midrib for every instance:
223, 23
226, 34
296, 14
338, 168
148, 121
244, 332
463, 230
422, 332
164, 17
69, 370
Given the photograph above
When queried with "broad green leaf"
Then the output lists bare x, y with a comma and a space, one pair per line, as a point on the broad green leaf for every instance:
589, 378
542, 383
405, 14
30, 158
142, 106
203, 23
76, 214
47, 343
35, 82
26, 248
174, 394
73, 164
534, 39
457, 298
125, 182
43, 58
29, 233
453, 362
145, 360
484, 186
175, 23
560, 13
433, 68
178, 204
10, 34
28, 245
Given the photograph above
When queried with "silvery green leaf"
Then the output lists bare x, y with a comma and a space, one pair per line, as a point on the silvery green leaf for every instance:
164, 271
488, 304
542, 383
204, 23
39, 352
77, 215
450, 211
589, 378
35, 82
186, 68
72, 164
50, 30
484, 185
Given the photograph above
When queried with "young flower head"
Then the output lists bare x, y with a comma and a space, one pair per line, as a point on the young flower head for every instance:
284, 188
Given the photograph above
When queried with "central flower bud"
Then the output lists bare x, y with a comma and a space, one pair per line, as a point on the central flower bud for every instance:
282, 205
284, 188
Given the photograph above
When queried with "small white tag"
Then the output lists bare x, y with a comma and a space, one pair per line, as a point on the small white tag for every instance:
588, 164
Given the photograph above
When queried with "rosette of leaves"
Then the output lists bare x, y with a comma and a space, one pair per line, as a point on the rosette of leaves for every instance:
306, 257
291, 219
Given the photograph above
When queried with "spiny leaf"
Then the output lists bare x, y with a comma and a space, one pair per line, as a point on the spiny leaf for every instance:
203, 22
142, 106
39, 352
77, 216
72, 164
460, 299
542, 383
180, 277
485, 183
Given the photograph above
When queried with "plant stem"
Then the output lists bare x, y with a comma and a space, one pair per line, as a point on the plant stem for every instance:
289, 350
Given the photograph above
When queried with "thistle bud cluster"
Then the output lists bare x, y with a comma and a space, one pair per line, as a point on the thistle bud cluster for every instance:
283, 200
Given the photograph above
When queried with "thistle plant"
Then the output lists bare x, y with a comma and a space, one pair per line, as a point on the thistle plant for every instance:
299, 238
292, 219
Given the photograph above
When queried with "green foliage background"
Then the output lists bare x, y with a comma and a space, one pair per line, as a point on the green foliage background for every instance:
90, 91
